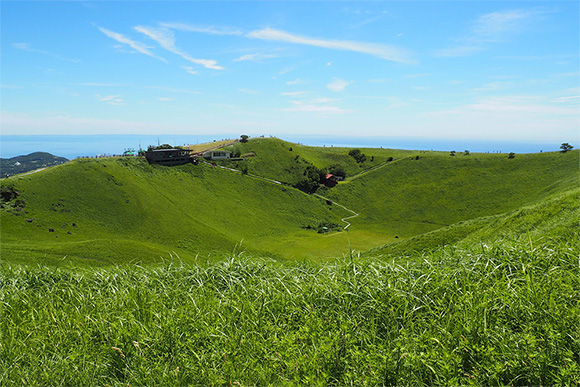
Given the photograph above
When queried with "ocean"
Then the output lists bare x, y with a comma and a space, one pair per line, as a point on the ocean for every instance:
74, 146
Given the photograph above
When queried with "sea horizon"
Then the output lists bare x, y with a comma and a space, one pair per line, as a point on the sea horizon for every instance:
76, 146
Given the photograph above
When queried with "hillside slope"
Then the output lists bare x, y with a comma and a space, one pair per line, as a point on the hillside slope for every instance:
119, 210
410, 197
112, 211
285, 161
556, 217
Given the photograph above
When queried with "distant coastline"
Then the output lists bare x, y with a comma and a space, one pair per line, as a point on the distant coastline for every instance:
73, 146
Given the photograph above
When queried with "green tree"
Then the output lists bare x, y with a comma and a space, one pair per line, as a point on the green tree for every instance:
337, 170
511, 155
357, 155
566, 147
244, 138
311, 180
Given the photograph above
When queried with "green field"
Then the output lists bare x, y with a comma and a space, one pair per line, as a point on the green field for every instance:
126, 211
458, 270
484, 314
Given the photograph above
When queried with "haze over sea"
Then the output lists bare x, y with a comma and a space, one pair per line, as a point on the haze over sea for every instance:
73, 146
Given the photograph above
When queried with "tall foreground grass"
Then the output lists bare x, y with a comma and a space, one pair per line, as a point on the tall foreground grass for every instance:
502, 314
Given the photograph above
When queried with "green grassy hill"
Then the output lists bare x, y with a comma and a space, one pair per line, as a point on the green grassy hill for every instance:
556, 217
285, 161
118, 210
409, 197
491, 299
114, 211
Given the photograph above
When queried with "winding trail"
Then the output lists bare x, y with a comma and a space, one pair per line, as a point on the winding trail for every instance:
341, 206
355, 214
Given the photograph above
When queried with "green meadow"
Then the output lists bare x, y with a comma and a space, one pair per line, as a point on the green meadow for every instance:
458, 270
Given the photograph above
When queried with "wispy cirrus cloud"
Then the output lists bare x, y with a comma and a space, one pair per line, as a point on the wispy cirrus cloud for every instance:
137, 46
495, 26
249, 91
293, 93
295, 82
166, 39
493, 86
27, 47
189, 69
337, 85
111, 99
568, 99
97, 84
29, 124
299, 106
457, 51
211, 30
524, 104
255, 57
173, 90
11, 87
490, 28
382, 51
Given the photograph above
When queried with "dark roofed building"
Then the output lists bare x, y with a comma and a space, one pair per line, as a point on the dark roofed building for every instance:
168, 157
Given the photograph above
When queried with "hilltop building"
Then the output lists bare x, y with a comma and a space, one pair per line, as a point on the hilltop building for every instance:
217, 155
168, 157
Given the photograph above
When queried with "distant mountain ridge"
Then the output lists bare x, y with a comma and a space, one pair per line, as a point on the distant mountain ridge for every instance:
30, 162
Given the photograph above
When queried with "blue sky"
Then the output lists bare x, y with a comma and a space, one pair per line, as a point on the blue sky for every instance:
462, 70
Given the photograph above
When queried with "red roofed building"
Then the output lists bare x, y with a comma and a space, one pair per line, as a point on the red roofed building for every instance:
330, 180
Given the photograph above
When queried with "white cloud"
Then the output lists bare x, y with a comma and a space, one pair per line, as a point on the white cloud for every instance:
315, 108
189, 69
166, 39
369, 20
98, 84
457, 51
139, 47
494, 26
165, 99
494, 86
254, 57
517, 104
295, 82
286, 71
211, 30
248, 91
294, 93
323, 100
338, 85
111, 99
172, 90
489, 28
329, 64
27, 124
11, 87
382, 51
528, 118
26, 47
570, 99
